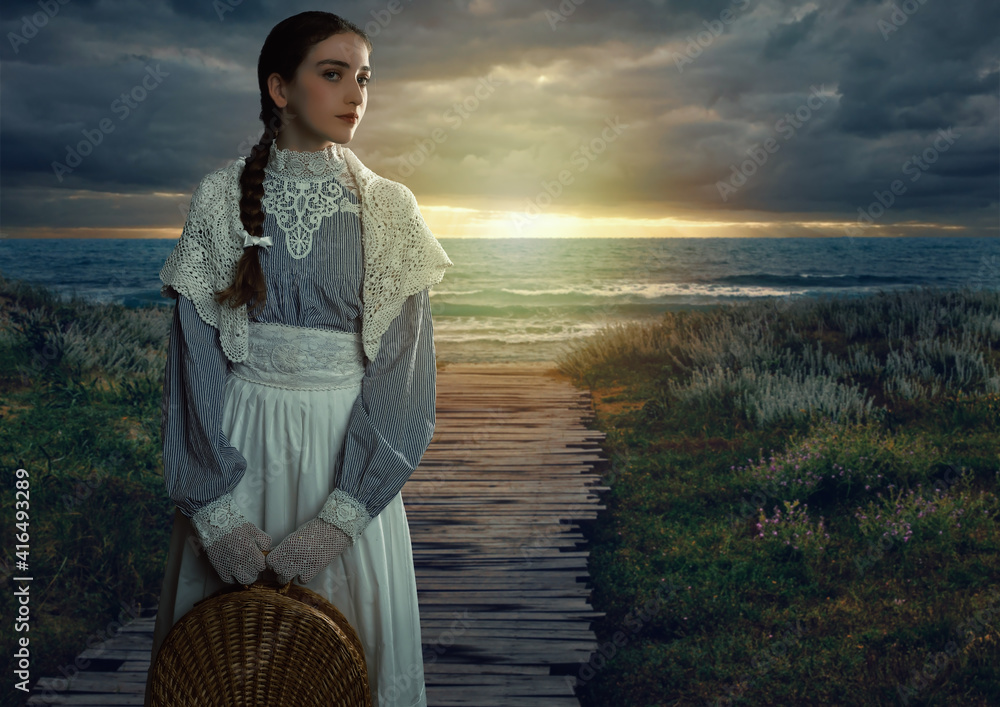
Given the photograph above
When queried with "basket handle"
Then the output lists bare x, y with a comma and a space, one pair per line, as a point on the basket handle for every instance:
268, 578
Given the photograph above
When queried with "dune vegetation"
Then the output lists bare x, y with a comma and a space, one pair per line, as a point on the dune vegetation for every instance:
80, 392
803, 504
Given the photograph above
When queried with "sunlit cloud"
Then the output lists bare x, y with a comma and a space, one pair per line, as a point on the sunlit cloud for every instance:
479, 106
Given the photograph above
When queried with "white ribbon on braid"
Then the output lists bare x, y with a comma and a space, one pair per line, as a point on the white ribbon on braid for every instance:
249, 240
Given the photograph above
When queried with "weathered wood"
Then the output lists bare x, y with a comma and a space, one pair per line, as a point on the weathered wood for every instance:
489, 509
124, 686
525, 617
501, 567
102, 699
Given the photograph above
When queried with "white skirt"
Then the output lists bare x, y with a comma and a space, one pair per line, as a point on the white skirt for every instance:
287, 409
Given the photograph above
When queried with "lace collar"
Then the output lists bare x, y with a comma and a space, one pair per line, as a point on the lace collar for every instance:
328, 162
401, 254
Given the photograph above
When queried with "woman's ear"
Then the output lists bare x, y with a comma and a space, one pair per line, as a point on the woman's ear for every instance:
276, 87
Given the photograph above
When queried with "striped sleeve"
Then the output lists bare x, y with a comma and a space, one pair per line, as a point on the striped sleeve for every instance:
199, 464
392, 421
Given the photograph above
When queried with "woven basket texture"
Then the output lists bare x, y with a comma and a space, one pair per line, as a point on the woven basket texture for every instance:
261, 645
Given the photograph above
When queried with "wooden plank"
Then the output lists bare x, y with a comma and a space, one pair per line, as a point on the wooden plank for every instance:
453, 698
95, 699
501, 624
137, 665
512, 630
513, 685
97, 682
500, 561
443, 670
509, 466
543, 615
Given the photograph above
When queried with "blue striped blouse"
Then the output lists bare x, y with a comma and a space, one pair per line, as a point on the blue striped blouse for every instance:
314, 279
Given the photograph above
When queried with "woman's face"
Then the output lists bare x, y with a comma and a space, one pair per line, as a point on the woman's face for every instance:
332, 81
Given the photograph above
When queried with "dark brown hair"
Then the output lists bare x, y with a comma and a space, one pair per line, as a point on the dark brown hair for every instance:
286, 46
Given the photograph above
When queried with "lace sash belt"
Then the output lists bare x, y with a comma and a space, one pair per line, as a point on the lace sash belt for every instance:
299, 358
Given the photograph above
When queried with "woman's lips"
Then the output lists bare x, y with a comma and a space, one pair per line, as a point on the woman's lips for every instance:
348, 119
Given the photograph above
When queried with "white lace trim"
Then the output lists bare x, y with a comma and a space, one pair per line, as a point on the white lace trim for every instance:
299, 206
305, 165
401, 254
346, 512
299, 358
217, 519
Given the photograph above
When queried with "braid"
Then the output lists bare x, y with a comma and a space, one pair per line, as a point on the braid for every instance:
249, 283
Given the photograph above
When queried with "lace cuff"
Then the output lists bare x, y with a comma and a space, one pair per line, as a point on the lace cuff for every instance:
345, 512
218, 519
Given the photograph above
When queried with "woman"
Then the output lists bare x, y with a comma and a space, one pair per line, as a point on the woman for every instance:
296, 420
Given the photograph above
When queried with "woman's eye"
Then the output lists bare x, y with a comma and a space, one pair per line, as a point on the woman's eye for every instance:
365, 79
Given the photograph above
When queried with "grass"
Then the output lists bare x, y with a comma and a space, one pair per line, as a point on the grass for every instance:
79, 411
803, 504
802, 507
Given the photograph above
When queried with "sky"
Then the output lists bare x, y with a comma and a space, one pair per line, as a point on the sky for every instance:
560, 118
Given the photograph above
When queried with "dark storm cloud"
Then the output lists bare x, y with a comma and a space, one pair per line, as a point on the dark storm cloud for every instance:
698, 83
244, 11
895, 87
783, 39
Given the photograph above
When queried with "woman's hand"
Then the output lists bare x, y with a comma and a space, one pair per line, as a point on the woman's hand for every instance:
235, 546
308, 550
239, 556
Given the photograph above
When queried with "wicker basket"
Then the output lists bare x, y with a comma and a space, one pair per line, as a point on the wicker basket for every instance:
263, 644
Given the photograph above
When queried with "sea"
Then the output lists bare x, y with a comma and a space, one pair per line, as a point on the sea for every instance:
533, 299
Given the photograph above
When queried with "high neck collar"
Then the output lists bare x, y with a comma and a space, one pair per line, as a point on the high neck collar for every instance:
292, 163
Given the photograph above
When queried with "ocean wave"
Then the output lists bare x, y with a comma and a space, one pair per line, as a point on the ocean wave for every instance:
809, 280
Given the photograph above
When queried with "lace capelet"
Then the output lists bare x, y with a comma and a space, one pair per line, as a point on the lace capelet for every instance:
401, 255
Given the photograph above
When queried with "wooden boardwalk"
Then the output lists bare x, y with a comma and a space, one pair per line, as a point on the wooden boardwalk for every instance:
501, 570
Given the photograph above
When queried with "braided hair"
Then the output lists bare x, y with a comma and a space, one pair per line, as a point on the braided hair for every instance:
286, 47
